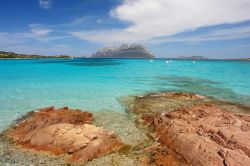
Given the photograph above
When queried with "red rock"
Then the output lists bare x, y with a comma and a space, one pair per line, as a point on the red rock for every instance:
49, 116
64, 131
105, 143
205, 135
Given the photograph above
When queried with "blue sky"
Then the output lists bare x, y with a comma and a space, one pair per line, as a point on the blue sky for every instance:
169, 28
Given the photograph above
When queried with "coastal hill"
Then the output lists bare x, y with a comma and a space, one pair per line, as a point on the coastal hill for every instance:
12, 55
124, 51
243, 59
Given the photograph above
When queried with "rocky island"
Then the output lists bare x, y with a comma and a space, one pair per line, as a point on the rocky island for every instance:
12, 55
124, 51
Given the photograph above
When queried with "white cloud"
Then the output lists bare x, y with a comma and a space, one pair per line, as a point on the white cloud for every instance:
45, 4
220, 34
109, 36
44, 34
81, 20
13, 38
99, 21
157, 18
38, 30
20, 43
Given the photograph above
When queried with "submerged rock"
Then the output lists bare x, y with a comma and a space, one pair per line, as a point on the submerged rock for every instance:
160, 155
163, 102
64, 131
197, 130
123, 125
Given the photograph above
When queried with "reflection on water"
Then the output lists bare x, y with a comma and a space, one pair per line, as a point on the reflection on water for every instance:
201, 86
55, 61
83, 62
94, 63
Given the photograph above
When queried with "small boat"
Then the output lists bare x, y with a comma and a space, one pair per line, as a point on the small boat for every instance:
151, 60
167, 61
194, 62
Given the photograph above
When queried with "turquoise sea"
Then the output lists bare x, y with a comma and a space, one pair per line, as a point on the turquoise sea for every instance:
98, 84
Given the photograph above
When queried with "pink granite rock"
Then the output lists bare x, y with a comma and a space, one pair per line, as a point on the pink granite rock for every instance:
64, 131
205, 135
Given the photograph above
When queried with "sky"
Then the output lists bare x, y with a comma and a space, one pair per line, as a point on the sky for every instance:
168, 28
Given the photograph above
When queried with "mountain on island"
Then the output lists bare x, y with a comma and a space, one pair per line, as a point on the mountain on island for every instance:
124, 51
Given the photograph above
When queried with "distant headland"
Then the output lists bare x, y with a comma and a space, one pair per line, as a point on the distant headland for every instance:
243, 59
124, 51
191, 57
12, 55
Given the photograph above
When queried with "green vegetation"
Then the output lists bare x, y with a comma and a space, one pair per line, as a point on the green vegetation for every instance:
11, 55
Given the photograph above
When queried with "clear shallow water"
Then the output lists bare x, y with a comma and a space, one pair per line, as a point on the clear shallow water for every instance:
97, 84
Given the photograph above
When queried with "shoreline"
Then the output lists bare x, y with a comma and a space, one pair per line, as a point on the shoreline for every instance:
130, 126
243, 59
124, 104
30, 58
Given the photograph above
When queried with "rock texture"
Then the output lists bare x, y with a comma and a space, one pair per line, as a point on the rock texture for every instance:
64, 131
124, 51
157, 103
200, 132
206, 135
160, 155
